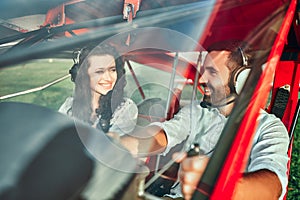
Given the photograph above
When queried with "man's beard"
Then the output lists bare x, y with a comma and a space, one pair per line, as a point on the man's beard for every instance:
217, 99
207, 98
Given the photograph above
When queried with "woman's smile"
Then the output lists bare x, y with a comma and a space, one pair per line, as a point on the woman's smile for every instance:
103, 73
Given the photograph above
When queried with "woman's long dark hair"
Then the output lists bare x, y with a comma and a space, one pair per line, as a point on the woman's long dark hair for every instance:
82, 108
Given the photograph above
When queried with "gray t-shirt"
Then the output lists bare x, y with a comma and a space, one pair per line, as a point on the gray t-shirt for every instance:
269, 147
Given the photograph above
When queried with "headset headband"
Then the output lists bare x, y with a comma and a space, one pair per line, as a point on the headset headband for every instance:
240, 74
244, 58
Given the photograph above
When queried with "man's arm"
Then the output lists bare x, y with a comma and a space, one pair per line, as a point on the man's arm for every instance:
146, 141
262, 184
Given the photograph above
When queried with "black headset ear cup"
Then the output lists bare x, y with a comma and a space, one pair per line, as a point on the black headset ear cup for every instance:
73, 71
240, 79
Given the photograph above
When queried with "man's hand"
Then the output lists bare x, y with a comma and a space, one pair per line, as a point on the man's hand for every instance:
190, 172
262, 184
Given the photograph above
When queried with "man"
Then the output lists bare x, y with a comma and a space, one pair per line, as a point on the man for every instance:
265, 176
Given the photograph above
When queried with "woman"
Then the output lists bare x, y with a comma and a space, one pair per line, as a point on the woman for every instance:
98, 99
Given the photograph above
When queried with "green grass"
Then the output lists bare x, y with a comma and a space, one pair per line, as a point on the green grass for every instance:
34, 74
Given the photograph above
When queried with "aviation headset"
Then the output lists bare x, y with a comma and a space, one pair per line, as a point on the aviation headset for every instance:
74, 69
240, 74
79, 55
